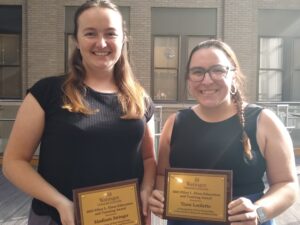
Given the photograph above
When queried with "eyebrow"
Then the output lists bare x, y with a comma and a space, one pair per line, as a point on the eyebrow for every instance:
197, 68
88, 29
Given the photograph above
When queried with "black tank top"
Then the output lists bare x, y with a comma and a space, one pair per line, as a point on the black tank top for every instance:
202, 145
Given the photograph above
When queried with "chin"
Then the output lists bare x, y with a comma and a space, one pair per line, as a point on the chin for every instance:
208, 104
102, 66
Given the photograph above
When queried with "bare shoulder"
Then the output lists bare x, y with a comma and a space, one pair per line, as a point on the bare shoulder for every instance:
168, 127
170, 120
269, 120
272, 135
29, 105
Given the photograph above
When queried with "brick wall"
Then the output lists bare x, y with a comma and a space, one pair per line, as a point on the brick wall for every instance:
43, 37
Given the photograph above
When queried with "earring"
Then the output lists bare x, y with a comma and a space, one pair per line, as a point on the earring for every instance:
233, 89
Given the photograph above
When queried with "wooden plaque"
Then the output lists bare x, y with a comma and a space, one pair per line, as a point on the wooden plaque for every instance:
198, 195
115, 203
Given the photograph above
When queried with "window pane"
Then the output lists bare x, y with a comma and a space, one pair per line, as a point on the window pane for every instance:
270, 86
166, 52
165, 84
10, 49
10, 18
10, 82
296, 53
270, 53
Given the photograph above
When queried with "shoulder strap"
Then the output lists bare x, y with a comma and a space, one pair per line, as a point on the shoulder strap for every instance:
252, 113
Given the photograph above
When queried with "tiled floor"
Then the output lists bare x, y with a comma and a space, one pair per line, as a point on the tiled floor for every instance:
14, 206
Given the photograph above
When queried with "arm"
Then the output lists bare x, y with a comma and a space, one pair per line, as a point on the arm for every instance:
23, 141
277, 148
157, 198
149, 161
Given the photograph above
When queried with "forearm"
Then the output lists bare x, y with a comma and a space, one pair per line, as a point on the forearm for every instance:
149, 174
160, 182
278, 198
22, 175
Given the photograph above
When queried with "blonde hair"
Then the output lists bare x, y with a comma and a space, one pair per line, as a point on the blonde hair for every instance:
132, 96
236, 88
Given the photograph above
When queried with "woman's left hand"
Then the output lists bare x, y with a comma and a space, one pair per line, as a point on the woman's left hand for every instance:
242, 212
145, 209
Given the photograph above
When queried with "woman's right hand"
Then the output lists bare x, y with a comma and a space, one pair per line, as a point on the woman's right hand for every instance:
156, 202
65, 209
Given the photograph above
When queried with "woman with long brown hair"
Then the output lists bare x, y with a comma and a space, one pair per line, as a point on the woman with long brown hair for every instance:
94, 125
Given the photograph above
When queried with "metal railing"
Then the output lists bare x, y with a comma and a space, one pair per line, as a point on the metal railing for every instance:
288, 112
158, 120
8, 110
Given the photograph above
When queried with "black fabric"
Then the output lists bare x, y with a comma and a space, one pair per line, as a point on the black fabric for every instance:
201, 145
78, 150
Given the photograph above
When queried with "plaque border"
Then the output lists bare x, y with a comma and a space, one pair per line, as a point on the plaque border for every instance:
78, 191
228, 194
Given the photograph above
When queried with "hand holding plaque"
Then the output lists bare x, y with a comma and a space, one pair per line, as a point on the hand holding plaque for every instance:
114, 204
200, 195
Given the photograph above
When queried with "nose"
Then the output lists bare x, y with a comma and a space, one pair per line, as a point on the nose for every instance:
207, 78
101, 42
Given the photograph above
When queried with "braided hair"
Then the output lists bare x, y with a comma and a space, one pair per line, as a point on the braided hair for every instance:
245, 139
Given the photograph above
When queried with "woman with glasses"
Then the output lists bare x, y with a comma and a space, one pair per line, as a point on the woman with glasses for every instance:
223, 132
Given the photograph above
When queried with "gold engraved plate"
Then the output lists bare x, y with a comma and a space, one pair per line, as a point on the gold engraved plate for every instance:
199, 195
110, 204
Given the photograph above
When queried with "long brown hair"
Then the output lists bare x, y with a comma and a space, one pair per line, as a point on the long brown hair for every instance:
237, 87
132, 97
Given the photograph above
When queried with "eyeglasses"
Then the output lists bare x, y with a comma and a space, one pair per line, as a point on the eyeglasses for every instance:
216, 72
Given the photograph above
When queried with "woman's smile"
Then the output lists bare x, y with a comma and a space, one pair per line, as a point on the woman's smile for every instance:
208, 92
101, 53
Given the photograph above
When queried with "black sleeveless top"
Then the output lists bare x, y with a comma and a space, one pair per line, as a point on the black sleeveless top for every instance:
79, 150
198, 144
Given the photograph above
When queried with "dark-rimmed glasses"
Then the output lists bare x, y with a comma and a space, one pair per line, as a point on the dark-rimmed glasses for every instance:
216, 72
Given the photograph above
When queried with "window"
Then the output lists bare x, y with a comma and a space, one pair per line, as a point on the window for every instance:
169, 66
174, 35
279, 46
165, 68
270, 71
10, 52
